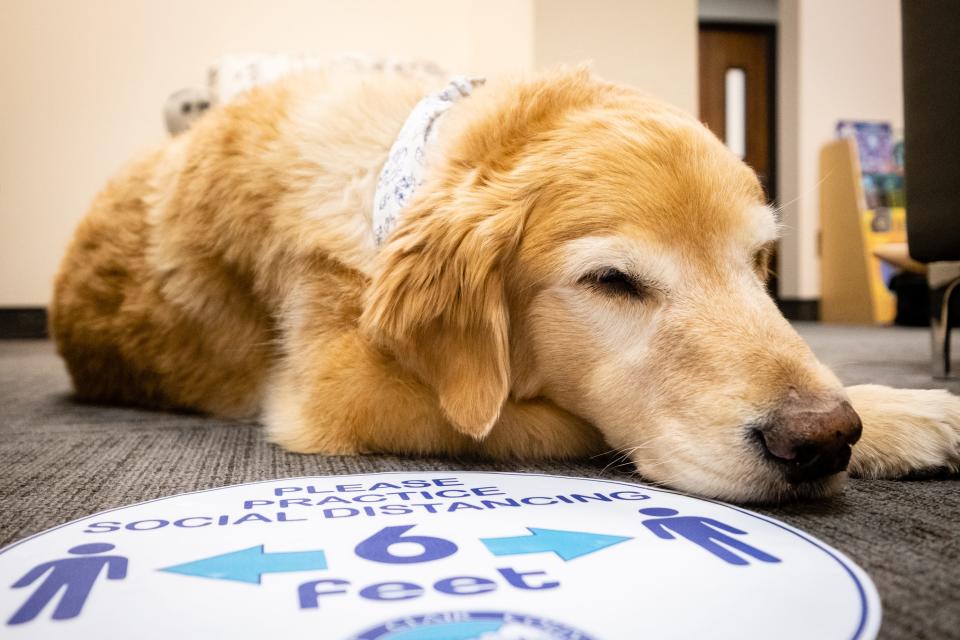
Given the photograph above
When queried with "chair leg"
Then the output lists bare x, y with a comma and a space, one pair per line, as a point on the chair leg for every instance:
940, 331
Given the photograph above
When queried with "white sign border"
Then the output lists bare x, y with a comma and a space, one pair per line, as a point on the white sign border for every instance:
867, 627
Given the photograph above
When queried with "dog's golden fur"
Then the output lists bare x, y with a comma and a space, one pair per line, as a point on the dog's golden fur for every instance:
234, 272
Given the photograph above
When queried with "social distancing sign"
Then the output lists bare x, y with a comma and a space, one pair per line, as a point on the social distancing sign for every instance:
432, 556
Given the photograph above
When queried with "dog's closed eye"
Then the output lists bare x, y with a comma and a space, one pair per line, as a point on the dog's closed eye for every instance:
761, 260
613, 282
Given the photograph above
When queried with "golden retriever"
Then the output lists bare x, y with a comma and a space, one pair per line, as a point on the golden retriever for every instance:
582, 271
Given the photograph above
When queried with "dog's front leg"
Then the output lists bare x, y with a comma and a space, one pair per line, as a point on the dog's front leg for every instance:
905, 431
537, 429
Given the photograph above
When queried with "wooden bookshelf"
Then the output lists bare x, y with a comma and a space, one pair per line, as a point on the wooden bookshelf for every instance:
853, 279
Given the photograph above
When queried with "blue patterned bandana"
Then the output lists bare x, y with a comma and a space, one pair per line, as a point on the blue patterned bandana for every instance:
406, 166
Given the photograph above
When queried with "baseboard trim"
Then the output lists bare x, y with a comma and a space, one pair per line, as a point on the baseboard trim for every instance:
802, 310
31, 322
23, 323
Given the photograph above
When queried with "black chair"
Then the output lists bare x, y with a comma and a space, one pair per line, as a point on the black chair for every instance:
931, 83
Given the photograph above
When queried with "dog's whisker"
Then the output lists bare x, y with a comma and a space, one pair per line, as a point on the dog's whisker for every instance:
624, 454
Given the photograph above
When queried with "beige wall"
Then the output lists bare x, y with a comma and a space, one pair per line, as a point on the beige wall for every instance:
838, 60
651, 44
82, 83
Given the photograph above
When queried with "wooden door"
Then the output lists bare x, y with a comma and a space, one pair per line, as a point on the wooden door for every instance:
742, 59
737, 92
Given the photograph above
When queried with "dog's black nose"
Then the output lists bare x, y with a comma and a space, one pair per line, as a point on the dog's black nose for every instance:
809, 445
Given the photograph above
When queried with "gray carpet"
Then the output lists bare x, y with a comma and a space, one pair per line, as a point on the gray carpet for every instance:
62, 460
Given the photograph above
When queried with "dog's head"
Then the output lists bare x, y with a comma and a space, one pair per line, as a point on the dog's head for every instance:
580, 242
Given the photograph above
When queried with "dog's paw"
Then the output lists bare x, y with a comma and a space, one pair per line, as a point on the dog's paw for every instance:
298, 425
905, 431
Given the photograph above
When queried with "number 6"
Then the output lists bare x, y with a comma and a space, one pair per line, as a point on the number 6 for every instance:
377, 546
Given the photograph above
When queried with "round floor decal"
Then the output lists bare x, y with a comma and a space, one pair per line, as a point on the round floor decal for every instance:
432, 556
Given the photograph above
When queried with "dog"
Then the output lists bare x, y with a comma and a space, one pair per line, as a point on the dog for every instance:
581, 271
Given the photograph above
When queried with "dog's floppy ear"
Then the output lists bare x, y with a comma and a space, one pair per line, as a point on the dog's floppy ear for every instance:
437, 302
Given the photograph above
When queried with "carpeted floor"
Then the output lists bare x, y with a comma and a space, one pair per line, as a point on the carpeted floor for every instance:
61, 460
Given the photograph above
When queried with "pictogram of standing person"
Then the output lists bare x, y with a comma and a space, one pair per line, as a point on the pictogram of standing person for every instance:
706, 533
76, 575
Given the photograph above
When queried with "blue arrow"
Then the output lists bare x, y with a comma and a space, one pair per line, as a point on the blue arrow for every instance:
247, 565
566, 544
